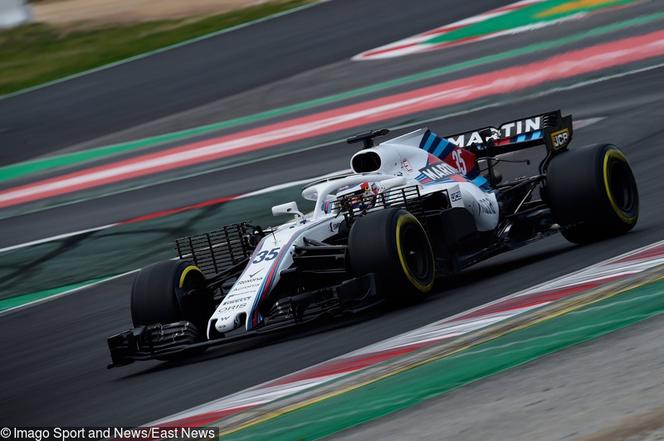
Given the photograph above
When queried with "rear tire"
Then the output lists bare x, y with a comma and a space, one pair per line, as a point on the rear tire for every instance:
392, 244
592, 193
160, 295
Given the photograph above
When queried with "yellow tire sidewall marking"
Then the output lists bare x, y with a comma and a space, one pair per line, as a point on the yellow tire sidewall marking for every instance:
401, 221
614, 153
186, 271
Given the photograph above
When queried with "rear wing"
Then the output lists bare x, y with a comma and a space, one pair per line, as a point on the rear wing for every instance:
551, 129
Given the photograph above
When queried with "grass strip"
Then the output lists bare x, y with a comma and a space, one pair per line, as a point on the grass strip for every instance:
38, 53
430, 380
13, 302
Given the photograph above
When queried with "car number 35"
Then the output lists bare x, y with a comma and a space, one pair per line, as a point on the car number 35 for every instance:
266, 255
460, 162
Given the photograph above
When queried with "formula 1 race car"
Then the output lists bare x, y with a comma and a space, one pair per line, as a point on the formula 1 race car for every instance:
415, 208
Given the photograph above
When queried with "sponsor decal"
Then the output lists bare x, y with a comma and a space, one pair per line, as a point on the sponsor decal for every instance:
251, 276
468, 139
238, 300
242, 293
405, 164
456, 196
485, 206
233, 307
559, 139
522, 126
507, 130
248, 282
438, 171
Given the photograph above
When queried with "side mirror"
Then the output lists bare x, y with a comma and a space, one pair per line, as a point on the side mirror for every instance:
287, 208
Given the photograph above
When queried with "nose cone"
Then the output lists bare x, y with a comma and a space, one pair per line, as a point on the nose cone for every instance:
222, 326
228, 323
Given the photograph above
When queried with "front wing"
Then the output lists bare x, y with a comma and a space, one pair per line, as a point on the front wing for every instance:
175, 340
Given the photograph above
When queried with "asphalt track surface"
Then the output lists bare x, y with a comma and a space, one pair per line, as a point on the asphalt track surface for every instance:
75, 111
54, 354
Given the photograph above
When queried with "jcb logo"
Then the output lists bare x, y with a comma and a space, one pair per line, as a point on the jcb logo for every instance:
560, 138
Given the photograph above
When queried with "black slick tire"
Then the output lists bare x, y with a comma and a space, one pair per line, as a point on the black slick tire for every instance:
592, 193
159, 295
393, 245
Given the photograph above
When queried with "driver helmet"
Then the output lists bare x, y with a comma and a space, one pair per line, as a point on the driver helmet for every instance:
361, 196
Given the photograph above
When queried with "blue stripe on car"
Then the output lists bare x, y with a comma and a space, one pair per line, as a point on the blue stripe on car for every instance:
429, 142
480, 181
444, 149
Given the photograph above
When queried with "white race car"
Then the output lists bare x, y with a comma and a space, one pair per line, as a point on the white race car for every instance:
415, 208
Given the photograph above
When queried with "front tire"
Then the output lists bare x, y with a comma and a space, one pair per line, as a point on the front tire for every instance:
393, 245
168, 292
592, 193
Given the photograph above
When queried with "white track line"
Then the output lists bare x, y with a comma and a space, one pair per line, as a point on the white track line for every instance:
64, 293
54, 238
